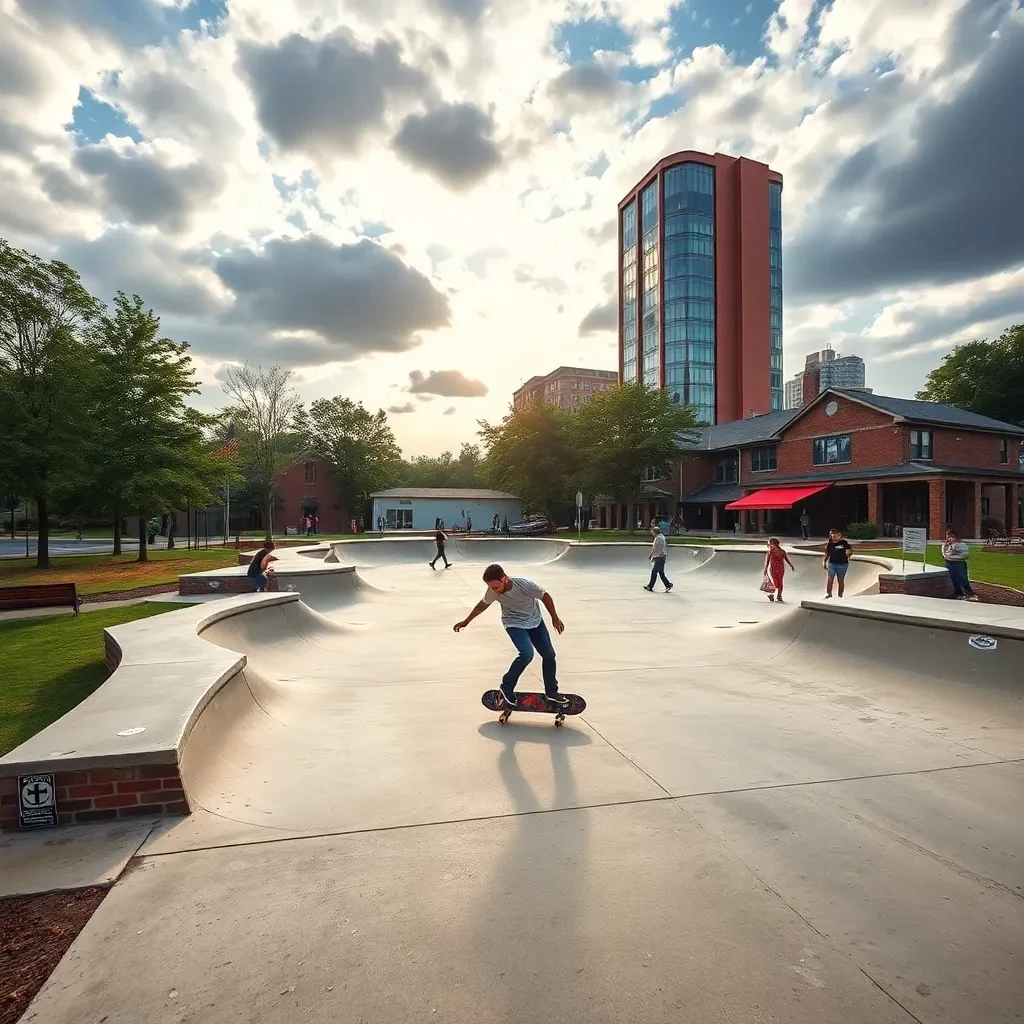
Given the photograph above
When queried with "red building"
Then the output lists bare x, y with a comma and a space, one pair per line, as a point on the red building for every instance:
306, 488
700, 284
847, 457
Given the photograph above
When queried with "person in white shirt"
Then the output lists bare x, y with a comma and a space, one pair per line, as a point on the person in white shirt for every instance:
520, 615
955, 553
657, 556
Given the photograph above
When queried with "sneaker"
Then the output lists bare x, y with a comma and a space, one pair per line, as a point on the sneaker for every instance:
972, 597
771, 597
668, 587
432, 566
447, 565
558, 699
507, 697
650, 590
779, 599
827, 596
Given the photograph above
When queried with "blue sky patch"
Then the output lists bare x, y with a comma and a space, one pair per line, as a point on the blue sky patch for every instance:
737, 25
584, 38
92, 120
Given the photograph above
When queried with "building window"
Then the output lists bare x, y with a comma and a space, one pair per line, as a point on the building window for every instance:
775, 286
586, 385
726, 471
764, 458
920, 444
652, 473
309, 472
829, 451
575, 385
1002, 450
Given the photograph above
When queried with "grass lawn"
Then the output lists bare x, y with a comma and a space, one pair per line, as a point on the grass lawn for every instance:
102, 574
644, 537
48, 665
984, 566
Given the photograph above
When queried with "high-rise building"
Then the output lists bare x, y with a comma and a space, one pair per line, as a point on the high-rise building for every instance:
822, 370
568, 387
700, 283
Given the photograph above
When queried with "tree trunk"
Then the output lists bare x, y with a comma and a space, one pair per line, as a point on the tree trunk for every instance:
42, 534
269, 524
117, 530
143, 539
171, 519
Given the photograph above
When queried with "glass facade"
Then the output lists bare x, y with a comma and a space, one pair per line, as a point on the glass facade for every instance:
775, 284
689, 267
629, 293
651, 334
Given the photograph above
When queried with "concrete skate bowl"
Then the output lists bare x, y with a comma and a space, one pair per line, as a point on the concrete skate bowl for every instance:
372, 554
629, 556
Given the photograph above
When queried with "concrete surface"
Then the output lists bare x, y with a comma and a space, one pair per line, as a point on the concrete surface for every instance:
68, 858
765, 814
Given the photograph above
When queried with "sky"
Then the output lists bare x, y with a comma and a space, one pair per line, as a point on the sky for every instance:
412, 202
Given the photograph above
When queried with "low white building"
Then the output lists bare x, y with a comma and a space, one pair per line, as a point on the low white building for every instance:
418, 508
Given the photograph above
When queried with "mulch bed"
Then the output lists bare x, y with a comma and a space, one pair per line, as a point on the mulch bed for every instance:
126, 595
35, 932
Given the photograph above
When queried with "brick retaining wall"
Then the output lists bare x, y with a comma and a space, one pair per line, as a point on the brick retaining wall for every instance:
933, 584
105, 794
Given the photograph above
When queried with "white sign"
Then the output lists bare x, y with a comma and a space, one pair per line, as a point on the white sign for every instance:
579, 499
915, 540
983, 643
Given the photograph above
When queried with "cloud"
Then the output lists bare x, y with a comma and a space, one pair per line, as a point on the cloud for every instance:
455, 143
938, 210
604, 317
326, 96
399, 409
589, 80
359, 298
469, 11
140, 183
448, 383
450, 411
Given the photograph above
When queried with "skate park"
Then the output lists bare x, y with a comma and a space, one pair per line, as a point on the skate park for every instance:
803, 812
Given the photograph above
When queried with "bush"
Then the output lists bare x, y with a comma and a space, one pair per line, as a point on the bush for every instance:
989, 524
862, 531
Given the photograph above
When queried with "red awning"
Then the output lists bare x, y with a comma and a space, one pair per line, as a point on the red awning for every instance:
776, 497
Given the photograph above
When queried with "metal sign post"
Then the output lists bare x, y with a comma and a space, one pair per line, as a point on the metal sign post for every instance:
579, 515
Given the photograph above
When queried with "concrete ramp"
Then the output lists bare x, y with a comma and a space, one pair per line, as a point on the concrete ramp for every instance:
371, 554
630, 556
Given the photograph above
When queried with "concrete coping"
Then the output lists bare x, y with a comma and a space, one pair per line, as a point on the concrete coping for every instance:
166, 676
962, 617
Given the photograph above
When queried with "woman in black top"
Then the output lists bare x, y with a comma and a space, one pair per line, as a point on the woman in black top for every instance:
439, 539
837, 561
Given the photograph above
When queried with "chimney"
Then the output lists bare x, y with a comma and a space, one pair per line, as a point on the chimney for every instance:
812, 385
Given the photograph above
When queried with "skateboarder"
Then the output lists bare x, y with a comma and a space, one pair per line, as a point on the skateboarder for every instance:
659, 552
439, 538
520, 615
259, 567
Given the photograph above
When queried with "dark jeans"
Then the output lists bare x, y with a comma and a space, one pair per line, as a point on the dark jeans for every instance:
440, 554
259, 583
658, 569
527, 641
805, 532
958, 577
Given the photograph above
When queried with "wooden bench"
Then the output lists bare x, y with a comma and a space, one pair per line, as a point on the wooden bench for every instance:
39, 595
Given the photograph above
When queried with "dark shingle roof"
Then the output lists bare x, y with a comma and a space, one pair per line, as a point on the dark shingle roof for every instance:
713, 493
931, 412
469, 493
743, 432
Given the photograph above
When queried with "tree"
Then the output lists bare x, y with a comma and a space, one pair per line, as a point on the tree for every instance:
983, 377
45, 375
444, 470
150, 449
622, 432
358, 444
531, 454
264, 412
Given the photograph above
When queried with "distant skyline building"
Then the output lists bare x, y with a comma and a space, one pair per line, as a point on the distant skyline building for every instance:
568, 387
700, 284
823, 370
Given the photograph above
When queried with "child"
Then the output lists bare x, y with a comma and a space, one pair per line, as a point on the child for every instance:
775, 562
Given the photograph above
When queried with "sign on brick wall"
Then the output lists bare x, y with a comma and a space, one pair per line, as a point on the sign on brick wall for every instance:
37, 801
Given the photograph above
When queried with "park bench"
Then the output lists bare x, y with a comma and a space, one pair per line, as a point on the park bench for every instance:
39, 595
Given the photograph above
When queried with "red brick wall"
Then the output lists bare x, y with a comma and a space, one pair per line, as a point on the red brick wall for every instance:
934, 584
105, 794
698, 472
334, 517
875, 440
966, 448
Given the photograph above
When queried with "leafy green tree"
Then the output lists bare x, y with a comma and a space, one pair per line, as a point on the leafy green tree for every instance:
983, 377
623, 431
151, 450
45, 379
444, 470
358, 445
269, 424
531, 454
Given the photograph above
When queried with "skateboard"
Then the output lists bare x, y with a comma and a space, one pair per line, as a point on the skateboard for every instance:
534, 702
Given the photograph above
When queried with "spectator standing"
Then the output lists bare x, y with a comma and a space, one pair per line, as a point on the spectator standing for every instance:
657, 556
837, 560
955, 553
805, 525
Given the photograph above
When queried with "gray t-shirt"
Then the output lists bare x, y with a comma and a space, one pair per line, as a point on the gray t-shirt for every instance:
519, 607
660, 549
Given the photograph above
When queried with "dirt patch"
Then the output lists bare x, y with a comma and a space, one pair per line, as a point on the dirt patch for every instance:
35, 932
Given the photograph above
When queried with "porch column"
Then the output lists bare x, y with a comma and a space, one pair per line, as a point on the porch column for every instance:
648, 512
762, 520
974, 510
618, 516
875, 506
1010, 514
936, 509
744, 520
714, 519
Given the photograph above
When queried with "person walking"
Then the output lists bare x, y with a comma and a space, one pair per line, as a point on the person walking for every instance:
521, 617
955, 553
259, 567
657, 556
505, 527
439, 538
837, 560
805, 525
775, 562
469, 525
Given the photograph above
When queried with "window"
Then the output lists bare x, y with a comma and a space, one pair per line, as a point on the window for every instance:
586, 385
764, 458
921, 444
725, 471
575, 385
309, 472
1002, 450
652, 473
831, 450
